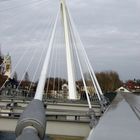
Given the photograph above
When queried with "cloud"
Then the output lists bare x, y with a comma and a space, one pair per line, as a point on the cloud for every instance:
109, 29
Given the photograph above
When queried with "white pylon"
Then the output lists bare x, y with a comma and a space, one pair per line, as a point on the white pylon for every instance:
69, 55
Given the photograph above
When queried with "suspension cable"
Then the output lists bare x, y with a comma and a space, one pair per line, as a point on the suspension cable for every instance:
41, 84
79, 63
50, 68
59, 64
88, 63
39, 62
55, 62
18, 24
33, 55
21, 6
22, 56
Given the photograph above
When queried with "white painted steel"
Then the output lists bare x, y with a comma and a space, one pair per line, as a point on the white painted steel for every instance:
93, 77
42, 79
69, 56
79, 63
85, 86
90, 69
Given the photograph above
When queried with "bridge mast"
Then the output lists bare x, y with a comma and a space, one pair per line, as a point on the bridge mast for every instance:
69, 54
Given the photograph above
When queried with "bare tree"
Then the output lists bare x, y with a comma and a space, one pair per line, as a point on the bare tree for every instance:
109, 80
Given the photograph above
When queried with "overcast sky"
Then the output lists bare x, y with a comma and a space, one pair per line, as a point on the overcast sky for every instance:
109, 29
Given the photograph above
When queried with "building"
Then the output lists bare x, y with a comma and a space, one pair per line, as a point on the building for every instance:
65, 90
10, 88
27, 88
14, 88
7, 65
133, 85
2, 81
1, 65
122, 89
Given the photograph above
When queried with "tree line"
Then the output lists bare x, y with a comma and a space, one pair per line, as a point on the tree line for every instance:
108, 80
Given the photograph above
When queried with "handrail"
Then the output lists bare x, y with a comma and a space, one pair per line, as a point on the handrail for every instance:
32, 122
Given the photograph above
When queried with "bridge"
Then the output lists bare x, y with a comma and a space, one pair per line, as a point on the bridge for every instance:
59, 115
72, 117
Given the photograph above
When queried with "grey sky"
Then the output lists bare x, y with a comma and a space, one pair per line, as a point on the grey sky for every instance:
109, 29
